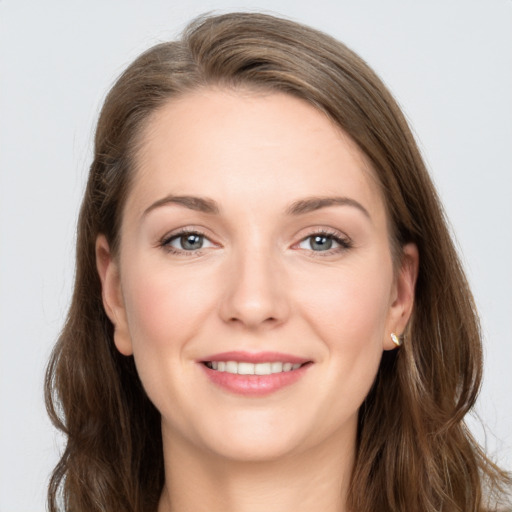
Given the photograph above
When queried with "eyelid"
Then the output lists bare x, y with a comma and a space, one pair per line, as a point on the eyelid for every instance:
164, 242
182, 231
344, 242
188, 233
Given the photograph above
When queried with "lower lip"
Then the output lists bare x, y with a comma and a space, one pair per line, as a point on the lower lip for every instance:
255, 385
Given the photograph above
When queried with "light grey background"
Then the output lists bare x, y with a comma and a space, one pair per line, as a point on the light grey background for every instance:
448, 62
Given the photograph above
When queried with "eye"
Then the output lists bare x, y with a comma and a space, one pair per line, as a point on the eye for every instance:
323, 242
186, 241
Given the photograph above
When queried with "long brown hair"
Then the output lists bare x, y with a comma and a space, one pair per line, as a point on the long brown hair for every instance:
414, 451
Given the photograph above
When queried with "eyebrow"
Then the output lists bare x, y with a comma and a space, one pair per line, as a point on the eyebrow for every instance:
300, 207
199, 204
312, 204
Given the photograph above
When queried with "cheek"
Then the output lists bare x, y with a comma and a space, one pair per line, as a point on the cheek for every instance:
164, 308
348, 311
350, 306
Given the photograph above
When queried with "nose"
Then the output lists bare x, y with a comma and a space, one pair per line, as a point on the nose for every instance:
254, 293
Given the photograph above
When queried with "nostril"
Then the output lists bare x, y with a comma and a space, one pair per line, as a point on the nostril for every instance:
268, 320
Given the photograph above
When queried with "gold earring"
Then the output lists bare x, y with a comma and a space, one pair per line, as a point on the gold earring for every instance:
396, 339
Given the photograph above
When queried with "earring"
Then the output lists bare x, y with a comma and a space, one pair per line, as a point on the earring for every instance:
395, 339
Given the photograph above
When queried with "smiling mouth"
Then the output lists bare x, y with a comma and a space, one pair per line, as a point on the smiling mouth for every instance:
245, 368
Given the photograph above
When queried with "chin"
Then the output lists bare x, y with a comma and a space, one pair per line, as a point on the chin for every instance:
256, 448
250, 437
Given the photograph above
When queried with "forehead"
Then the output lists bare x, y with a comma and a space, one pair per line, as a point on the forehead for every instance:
239, 144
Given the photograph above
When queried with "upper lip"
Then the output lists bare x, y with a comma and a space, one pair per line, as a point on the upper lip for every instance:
255, 357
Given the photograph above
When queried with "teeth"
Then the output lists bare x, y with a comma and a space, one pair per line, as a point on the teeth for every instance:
263, 368
243, 368
276, 367
231, 367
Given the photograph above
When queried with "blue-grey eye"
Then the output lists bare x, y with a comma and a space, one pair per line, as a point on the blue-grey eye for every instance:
320, 242
189, 242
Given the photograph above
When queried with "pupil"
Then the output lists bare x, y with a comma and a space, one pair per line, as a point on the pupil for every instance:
191, 242
321, 243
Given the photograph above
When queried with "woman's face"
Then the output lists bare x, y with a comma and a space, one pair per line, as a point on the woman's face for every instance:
254, 239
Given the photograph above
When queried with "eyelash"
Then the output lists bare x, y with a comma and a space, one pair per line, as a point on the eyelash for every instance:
165, 242
344, 243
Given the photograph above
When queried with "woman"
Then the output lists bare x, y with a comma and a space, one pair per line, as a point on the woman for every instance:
268, 312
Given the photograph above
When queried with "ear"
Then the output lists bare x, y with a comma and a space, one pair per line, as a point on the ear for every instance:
112, 296
403, 294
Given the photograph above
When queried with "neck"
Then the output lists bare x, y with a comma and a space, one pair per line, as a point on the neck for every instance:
316, 479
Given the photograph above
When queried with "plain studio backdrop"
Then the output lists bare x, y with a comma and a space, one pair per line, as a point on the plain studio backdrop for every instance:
448, 62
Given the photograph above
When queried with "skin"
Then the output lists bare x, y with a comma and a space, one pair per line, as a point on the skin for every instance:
256, 285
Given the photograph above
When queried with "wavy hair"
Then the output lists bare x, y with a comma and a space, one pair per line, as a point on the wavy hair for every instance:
414, 452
